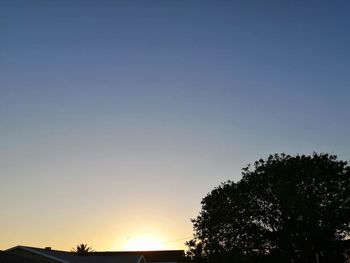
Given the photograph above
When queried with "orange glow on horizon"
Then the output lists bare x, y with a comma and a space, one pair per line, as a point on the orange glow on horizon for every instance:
142, 243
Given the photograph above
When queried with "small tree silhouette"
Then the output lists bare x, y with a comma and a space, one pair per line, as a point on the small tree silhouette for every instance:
82, 249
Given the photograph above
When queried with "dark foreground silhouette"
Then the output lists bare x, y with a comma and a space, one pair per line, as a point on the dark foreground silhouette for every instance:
284, 209
25, 254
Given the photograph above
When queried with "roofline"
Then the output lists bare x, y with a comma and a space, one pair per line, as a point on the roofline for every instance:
141, 251
38, 253
142, 257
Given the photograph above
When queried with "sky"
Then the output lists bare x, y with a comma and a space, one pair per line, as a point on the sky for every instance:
118, 117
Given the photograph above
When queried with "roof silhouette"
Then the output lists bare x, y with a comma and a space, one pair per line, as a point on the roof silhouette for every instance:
6, 257
71, 257
106, 256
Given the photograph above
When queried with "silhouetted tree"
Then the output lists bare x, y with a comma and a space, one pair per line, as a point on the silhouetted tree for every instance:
82, 249
285, 208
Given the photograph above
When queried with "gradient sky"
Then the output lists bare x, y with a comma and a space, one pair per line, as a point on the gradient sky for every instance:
117, 117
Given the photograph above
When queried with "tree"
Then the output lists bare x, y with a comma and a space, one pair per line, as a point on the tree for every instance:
291, 208
82, 249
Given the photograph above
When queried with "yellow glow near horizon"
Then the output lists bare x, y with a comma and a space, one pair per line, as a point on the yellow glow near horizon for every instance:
143, 243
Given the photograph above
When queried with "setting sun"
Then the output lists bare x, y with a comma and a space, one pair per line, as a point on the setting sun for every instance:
143, 243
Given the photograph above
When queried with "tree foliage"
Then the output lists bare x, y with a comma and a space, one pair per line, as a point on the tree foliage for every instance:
292, 208
82, 249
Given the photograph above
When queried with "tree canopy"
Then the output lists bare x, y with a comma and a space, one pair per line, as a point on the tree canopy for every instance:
82, 249
295, 208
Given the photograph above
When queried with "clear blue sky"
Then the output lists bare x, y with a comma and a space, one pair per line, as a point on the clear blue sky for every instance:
117, 117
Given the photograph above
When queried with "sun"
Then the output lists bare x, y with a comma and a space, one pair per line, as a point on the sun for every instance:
143, 243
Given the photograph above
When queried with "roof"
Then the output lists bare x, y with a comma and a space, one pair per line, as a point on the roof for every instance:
6, 257
69, 257
151, 256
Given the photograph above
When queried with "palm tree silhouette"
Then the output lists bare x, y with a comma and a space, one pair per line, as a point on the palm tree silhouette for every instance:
82, 249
